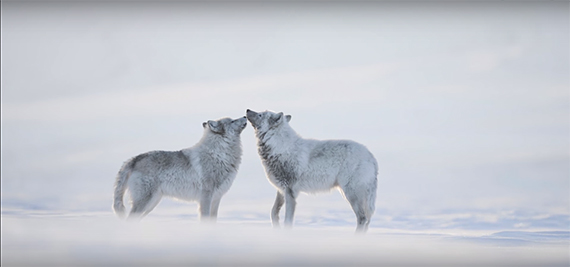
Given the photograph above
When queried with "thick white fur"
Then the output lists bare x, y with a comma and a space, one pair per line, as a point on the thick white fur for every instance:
203, 172
294, 164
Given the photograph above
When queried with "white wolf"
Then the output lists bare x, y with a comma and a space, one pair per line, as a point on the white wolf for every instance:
294, 165
201, 173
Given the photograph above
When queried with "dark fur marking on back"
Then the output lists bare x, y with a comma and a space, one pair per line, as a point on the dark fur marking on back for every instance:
183, 158
317, 153
137, 159
163, 159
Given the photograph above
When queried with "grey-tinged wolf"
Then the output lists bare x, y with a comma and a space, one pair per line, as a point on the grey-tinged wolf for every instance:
203, 172
294, 164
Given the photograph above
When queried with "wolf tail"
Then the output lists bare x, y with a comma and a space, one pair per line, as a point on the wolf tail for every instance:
121, 187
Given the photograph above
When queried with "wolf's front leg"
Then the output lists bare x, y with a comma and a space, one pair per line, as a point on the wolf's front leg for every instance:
279, 200
290, 204
214, 208
205, 205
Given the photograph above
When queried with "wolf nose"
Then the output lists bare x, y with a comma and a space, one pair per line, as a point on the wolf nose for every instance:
248, 110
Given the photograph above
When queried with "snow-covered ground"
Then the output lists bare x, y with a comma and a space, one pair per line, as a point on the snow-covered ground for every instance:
100, 239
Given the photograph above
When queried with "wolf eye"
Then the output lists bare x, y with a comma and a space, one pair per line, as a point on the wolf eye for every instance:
259, 115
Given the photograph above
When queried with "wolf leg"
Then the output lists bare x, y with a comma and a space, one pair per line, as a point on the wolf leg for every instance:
205, 205
279, 200
143, 204
358, 204
290, 204
156, 197
214, 208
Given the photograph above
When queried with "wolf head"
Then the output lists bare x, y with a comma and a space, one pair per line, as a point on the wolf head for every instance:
266, 120
226, 126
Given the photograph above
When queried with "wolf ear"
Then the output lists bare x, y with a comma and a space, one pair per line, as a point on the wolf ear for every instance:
288, 118
276, 118
215, 126
279, 117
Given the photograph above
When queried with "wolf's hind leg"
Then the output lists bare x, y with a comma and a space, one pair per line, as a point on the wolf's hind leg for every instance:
358, 204
156, 197
144, 204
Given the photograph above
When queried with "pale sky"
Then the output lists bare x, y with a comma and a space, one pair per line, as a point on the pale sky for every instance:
464, 105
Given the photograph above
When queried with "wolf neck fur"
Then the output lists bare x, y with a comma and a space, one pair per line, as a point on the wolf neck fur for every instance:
223, 148
276, 140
